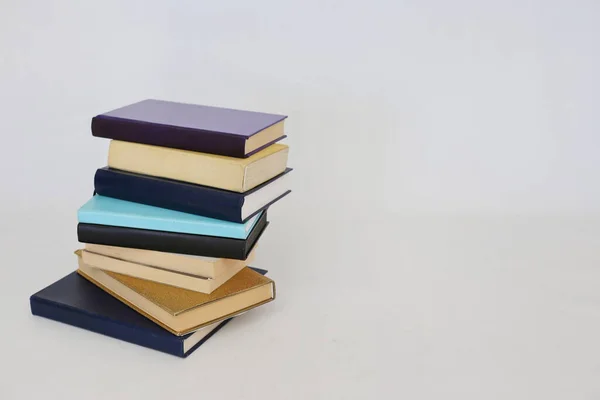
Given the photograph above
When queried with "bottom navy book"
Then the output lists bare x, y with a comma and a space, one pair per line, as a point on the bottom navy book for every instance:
75, 301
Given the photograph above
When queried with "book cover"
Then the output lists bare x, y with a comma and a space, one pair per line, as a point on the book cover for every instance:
234, 174
182, 311
173, 242
216, 130
190, 198
208, 267
161, 275
75, 301
103, 210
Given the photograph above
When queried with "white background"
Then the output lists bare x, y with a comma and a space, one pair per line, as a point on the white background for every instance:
443, 235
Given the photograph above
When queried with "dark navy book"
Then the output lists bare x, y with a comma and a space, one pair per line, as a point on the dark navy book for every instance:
75, 301
216, 130
190, 198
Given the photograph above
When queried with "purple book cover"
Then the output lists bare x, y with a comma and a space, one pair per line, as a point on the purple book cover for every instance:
183, 126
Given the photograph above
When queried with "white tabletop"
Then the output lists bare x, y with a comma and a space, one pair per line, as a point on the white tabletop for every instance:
405, 307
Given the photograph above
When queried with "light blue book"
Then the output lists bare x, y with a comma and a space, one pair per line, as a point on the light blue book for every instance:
108, 211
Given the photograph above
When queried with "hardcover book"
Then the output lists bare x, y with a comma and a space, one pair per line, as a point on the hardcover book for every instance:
182, 311
173, 242
208, 267
215, 130
190, 198
160, 275
234, 174
75, 301
103, 210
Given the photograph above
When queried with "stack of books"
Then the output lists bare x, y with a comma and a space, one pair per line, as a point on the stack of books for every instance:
173, 225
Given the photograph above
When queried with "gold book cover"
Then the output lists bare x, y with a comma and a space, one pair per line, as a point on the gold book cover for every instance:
180, 310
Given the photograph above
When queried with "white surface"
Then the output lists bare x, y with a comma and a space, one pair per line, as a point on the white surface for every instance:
476, 210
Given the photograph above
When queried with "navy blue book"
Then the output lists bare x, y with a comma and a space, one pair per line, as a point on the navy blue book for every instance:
75, 301
190, 198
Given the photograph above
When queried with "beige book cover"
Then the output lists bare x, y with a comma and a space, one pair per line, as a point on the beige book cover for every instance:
160, 275
229, 173
181, 311
206, 267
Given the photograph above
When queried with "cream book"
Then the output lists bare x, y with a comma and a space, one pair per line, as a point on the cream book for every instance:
205, 267
160, 275
182, 311
229, 173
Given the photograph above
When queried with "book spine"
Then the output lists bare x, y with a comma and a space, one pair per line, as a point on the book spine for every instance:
172, 195
104, 326
169, 136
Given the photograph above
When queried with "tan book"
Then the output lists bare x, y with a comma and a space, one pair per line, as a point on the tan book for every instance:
229, 173
206, 267
182, 311
160, 275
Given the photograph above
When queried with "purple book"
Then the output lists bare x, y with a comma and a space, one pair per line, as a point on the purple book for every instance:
215, 130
